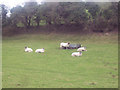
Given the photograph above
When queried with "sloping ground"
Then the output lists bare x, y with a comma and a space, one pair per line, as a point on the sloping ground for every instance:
97, 68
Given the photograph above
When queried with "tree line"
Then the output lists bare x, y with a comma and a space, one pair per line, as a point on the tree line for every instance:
91, 16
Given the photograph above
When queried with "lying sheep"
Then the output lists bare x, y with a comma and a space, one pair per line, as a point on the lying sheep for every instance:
28, 49
76, 54
81, 49
74, 46
64, 45
40, 50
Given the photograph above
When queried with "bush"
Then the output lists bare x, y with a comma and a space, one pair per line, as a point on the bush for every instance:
103, 25
9, 31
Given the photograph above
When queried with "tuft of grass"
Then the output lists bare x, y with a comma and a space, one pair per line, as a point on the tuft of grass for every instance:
97, 68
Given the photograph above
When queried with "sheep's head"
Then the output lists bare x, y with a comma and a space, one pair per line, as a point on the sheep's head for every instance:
84, 50
68, 43
26, 47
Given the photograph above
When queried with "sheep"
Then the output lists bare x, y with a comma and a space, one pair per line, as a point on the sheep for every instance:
40, 50
76, 54
28, 49
64, 45
74, 46
81, 49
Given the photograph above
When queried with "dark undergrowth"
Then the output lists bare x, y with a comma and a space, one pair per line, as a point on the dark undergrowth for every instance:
59, 29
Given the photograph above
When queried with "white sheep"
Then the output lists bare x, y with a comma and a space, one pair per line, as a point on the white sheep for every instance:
28, 49
64, 45
76, 54
81, 49
40, 50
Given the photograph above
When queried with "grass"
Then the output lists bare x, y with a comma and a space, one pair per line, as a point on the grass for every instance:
97, 68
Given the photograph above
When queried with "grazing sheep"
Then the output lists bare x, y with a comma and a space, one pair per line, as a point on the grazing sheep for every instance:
76, 54
64, 45
40, 50
81, 49
28, 49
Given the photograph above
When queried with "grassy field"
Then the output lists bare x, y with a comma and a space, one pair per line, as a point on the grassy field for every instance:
97, 68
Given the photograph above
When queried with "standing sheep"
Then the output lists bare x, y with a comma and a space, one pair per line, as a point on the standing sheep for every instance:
64, 45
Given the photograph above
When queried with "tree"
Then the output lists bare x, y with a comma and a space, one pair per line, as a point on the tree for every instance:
87, 15
4, 14
30, 9
23, 14
17, 14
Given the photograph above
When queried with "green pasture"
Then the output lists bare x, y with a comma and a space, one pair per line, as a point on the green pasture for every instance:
56, 68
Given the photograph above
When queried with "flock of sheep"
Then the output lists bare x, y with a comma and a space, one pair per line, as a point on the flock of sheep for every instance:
62, 46
27, 49
73, 46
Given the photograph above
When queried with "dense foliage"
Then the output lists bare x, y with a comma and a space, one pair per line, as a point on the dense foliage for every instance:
90, 16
